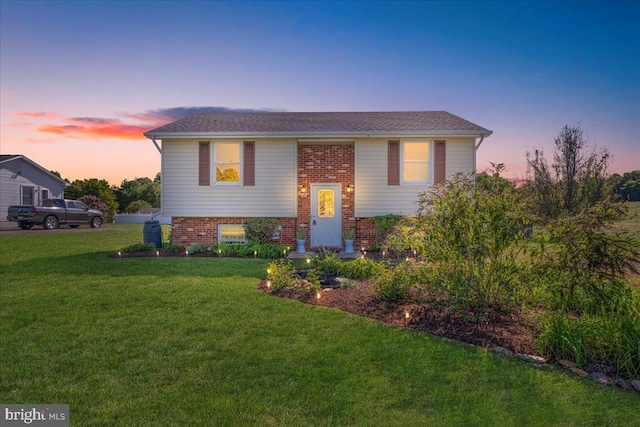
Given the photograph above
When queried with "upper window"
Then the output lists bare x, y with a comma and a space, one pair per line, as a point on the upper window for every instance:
227, 162
415, 162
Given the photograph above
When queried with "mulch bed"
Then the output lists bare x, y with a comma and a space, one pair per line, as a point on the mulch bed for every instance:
512, 331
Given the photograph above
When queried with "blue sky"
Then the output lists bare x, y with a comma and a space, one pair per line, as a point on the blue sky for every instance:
80, 80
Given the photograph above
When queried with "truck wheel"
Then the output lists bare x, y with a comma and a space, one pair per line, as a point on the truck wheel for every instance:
25, 225
96, 222
50, 223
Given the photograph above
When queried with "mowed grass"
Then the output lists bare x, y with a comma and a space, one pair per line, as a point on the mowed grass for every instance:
177, 341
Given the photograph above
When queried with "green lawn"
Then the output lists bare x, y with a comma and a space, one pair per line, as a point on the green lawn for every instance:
177, 341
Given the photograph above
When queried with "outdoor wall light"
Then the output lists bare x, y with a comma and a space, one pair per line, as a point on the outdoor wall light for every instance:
350, 188
303, 189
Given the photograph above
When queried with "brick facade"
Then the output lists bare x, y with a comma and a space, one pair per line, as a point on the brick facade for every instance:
325, 163
317, 163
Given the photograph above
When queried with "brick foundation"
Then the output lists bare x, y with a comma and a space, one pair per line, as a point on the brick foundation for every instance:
189, 230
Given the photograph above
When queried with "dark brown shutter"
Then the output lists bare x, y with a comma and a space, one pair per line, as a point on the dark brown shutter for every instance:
393, 169
204, 164
249, 166
439, 162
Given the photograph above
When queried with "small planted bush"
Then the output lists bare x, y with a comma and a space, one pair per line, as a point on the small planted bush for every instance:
360, 269
328, 263
174, 249
394, 285
139, 247
280, 275
197, 248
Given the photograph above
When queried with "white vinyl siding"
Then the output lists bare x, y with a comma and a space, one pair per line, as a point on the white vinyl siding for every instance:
274, 193
373, 195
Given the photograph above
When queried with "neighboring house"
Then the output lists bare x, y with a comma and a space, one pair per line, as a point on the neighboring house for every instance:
24, 182
318, 172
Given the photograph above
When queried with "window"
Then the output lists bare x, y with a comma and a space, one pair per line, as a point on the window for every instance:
231, 233
44, 194
27, 195
326, 204
227, 162
415, 162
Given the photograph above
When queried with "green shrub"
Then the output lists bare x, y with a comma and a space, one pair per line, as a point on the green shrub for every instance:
360, 268
197, 248
140, 247
604, 336
327, 262
384, 225
566, 338
393, 285
280, 275
174, 249
260, 229
587, 265
272, 250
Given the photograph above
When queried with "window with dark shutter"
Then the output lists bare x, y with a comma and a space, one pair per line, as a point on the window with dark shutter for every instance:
204, 164
249, 166
393, 169
439, 163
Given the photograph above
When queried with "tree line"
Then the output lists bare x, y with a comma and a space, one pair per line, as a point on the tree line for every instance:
129, 197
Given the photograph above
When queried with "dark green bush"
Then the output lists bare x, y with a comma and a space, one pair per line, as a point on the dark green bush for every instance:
260, 229
198, 248
174, 249
140, 247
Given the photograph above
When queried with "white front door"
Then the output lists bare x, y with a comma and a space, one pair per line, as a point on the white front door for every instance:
326, 215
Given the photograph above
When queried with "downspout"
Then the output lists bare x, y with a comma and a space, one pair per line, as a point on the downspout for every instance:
477, 145
160, 150
153, 216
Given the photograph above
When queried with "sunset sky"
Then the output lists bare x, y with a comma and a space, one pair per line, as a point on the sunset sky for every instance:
81, 81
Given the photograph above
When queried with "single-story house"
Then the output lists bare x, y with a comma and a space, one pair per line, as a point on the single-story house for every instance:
24, 182
323, 173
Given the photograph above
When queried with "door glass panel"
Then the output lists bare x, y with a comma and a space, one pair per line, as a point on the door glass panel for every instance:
326, 202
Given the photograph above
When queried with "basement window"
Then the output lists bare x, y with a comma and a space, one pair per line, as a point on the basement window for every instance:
231, 233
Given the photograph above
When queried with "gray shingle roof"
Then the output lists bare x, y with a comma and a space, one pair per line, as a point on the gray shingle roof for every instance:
335, 123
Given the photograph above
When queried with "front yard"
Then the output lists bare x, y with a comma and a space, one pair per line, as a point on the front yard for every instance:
191, 341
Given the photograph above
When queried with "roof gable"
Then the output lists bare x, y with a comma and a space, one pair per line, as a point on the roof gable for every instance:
327, 123
10, 157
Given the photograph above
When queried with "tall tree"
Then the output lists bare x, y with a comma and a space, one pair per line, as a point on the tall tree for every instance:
94, 187
575, 181
139, 189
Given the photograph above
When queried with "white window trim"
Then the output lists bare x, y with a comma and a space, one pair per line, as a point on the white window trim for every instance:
429, 163
240, 165
221, 239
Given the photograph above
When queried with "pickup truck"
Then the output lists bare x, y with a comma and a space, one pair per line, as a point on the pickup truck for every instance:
54, 212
